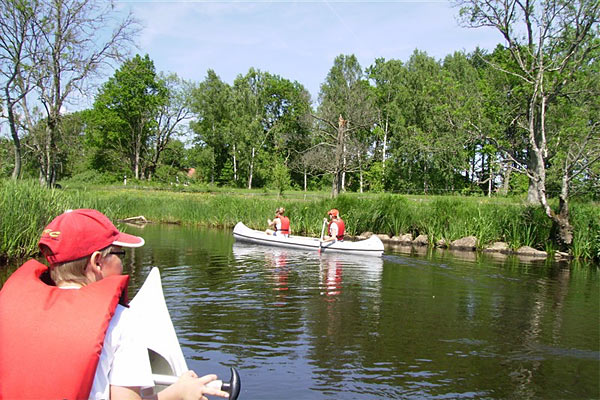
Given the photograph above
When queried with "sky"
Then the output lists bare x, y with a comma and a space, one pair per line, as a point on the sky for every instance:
297, 40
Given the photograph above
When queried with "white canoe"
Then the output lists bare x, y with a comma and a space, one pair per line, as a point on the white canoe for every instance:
166, 358
372, 246
159, 337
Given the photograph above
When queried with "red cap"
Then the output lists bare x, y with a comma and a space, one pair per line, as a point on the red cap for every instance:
334, 212
78, 233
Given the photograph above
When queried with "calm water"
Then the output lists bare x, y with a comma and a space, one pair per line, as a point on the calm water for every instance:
302, 326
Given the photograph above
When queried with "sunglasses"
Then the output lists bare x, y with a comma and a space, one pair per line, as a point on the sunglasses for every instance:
118, 253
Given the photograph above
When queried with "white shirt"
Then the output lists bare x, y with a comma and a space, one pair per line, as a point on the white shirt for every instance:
123, 361
333, 230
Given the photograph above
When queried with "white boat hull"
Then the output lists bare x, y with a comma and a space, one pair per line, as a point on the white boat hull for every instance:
372, 246
159, 336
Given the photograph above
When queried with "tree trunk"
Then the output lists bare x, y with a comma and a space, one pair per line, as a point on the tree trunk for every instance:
490, 176
360, 171
235, 178
506, 181
305, 183
339, 159
251, 169
532, 192
16, 143
565, 229
385, 135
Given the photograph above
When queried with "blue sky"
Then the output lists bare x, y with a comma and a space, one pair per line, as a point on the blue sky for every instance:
297, 40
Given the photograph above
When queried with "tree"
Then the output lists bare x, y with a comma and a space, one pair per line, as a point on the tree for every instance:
345, 114
390, 94
172, 113
74, 42
126, 111
212, 106
267, 108
17, 48
549, 42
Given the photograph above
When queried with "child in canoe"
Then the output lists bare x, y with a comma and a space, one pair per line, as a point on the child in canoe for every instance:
65, 331
280, 225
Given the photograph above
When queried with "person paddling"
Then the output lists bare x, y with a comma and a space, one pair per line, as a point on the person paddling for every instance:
336, 227
65, 330
280, 224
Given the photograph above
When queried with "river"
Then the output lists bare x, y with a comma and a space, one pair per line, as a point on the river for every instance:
299, 325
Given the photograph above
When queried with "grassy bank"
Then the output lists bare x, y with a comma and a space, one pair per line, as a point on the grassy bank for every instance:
25, 209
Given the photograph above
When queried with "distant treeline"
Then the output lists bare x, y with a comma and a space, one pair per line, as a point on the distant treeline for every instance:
26, 208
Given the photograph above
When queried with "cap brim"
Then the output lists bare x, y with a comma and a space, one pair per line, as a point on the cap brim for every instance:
127, 240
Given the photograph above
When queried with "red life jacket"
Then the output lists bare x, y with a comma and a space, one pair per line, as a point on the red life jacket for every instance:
51, 338
341, 228
285, 225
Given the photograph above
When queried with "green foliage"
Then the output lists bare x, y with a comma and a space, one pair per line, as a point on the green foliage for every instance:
519, 184
374, 178
92, 177
280, 178
123, 121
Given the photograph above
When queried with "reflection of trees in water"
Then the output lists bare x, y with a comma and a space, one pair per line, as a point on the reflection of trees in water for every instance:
548, 301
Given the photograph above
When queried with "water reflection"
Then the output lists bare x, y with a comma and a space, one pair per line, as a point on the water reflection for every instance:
362, 270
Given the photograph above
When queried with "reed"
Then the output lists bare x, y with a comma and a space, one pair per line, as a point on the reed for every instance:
25, 209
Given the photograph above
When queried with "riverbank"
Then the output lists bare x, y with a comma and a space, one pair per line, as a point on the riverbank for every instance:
26, 209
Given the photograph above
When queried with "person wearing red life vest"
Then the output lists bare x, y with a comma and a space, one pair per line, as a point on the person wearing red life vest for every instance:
280, 225
336, 227
64, 330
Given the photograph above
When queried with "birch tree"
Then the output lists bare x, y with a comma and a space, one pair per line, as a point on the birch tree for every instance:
550, 41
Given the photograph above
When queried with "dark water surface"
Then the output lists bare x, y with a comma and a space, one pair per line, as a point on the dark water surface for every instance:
302, 326
299, 325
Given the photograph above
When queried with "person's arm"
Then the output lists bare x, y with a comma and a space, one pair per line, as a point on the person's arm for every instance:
333, 231
188, 387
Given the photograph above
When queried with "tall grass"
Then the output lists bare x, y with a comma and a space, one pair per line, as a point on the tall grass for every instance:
25, 209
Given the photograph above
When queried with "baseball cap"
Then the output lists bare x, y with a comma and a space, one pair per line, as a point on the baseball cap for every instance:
333, 212
78, 233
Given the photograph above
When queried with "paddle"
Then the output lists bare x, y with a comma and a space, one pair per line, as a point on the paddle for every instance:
232, 387
322, 233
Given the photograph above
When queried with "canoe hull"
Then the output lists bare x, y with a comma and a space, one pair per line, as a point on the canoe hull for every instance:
372, 246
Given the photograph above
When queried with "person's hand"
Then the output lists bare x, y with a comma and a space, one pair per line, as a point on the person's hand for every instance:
190, 387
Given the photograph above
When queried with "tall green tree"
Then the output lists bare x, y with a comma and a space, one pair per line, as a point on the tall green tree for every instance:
126, 111
389, 83
267, 108
212, 108
550, 41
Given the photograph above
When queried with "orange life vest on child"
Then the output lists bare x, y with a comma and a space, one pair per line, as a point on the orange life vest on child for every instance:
341, 228
51, 338
285, 225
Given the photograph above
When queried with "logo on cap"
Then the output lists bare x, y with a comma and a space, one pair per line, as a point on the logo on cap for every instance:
50, 233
